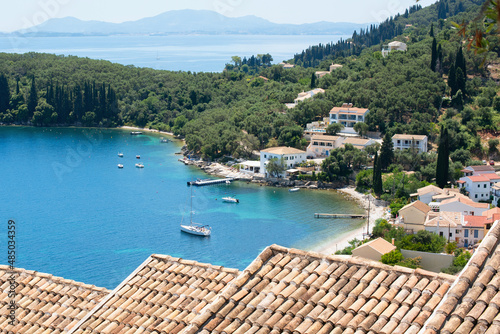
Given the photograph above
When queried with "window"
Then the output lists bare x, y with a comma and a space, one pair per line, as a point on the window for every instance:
399, 141
265, 156
479, 186
485, 185
315, 143
360, 118
333, 116
475, 196
418, 142
440, 234
457, 231
476, 234
466, 233
451, 234
286, 158
329, 144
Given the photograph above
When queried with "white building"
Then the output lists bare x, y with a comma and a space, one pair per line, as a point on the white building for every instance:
445, 224
347, 115
289, 156
426, 193
393, 46
304, 96
321, 145
250, 167
402, 142
479, 187
462, 204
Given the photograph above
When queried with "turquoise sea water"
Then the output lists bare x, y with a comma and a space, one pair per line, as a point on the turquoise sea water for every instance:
80, 217
198, 53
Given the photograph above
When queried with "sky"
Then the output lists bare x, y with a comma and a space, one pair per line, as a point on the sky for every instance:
23, 14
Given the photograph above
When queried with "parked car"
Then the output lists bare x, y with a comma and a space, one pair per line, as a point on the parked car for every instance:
492, 163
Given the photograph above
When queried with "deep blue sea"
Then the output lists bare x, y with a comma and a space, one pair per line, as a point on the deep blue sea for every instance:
80, 217
197, 53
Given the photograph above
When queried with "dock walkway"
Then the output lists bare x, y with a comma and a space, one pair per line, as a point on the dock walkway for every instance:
338, 215
209, 182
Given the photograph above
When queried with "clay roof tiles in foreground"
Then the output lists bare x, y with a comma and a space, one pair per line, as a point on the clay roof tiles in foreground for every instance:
473, 303
161, 296
292, 291
46, 303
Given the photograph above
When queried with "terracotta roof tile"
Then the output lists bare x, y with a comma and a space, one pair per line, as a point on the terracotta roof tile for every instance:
45, 302
288, 290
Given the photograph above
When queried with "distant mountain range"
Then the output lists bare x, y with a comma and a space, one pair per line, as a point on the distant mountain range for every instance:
187, 22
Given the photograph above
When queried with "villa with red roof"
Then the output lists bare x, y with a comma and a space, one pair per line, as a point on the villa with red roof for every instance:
478, 182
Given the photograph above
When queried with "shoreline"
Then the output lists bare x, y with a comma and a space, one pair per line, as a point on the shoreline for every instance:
125, 127
342, 241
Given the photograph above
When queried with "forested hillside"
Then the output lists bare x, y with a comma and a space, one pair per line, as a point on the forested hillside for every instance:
234, 112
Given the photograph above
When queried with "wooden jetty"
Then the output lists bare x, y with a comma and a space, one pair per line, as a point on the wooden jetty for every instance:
338, 215
200, 183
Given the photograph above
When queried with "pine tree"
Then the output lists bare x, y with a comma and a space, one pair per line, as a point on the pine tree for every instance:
386, 152
32, 98
4, 94
377, 175
434, 55
443, 159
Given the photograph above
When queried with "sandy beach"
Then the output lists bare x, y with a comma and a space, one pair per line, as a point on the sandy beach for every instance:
342, 241
144, 129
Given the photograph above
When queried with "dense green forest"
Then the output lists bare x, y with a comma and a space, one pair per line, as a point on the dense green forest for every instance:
242, 108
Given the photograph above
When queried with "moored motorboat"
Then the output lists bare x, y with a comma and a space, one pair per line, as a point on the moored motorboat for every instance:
292, 190
136, 133
120, 166
137, 156
120, 155
139, 165
230, 199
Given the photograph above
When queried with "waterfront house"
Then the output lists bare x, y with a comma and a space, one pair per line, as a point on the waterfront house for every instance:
321, 145
374, 249
412, 216
250, 167
347, 115
288, 156
403, 141
393, 46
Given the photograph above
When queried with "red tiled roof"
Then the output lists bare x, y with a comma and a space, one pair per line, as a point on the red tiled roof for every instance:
478, 178
491, 176
475, 221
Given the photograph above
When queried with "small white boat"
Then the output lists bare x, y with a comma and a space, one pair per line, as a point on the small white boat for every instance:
164, 140
292, 190
194, 228
120, 155
137, 156
139, 165
230, 200
120, 166
135, 133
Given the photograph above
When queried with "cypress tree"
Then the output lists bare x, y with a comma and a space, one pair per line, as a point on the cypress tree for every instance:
4, 94
431, 33
32, 98
460, 80
460, 61
434, 55
313, 81
386, 152
452, 80
443, 159
377, 175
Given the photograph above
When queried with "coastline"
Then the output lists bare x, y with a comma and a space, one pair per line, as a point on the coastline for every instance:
144, 129
342, 241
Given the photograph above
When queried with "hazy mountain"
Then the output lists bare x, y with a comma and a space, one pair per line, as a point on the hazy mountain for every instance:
188, 22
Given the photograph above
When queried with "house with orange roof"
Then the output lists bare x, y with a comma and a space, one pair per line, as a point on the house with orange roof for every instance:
446, 224
347, 115
412, 216
374, 249
473, 230
321, 145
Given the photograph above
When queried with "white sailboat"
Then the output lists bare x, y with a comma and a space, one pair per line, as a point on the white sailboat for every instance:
194, 228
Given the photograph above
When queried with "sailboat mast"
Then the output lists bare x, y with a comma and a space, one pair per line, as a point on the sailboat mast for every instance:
191, 211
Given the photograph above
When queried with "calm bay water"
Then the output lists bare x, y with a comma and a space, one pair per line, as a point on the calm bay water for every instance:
80, 217
197, 53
